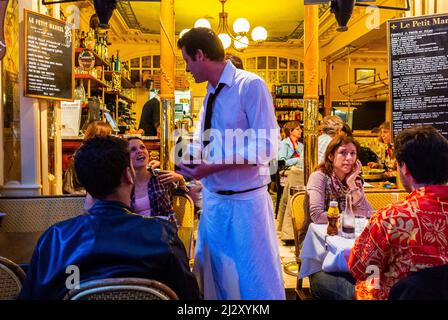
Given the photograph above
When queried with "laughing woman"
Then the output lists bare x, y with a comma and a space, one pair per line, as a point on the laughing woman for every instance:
151, 196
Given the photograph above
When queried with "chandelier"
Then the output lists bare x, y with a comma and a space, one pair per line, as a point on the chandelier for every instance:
236, 37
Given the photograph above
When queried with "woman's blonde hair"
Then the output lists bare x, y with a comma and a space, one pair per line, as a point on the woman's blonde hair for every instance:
97, 128
386, 126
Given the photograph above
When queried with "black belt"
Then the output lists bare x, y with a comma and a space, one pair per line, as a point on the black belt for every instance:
230, 192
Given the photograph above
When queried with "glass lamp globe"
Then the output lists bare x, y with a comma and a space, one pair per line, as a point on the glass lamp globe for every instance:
241, 25
225, 39
259, 34
241, 42
202, 23
184, 31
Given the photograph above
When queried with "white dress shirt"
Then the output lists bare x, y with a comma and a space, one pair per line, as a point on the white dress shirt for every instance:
243, 104
322, 143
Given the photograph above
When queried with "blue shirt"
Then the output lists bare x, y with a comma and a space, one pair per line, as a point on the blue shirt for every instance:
286, 152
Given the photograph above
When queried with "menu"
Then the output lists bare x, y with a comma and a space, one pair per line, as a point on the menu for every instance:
70, 118
418, 69
49, 57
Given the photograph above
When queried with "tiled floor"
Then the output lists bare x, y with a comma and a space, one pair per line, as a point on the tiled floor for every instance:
287, 255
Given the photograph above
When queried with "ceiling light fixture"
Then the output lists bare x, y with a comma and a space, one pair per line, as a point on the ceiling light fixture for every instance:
236, 37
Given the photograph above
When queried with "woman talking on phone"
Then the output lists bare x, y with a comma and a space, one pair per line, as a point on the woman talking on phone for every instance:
337, 175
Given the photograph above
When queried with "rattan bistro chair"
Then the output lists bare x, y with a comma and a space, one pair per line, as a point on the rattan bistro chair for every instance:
11, 279
183, 207
381, 199
122, 289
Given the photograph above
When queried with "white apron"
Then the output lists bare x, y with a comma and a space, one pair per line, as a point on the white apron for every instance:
237, 255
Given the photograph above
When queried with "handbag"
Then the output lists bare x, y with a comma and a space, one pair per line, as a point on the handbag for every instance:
71, 184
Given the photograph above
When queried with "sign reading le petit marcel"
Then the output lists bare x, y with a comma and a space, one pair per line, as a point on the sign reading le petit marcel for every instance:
418, 69
49, 57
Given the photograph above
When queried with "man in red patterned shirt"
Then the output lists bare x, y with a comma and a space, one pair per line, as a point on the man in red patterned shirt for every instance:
413, 234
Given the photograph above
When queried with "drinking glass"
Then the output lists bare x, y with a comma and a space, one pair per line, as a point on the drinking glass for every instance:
360, 224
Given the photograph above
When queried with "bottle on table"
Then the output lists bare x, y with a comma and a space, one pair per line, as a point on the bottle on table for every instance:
333, 218
348, 219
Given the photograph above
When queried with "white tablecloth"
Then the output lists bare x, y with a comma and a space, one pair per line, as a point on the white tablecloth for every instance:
323, 252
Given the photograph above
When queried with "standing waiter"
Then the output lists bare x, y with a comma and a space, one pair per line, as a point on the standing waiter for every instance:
237, 255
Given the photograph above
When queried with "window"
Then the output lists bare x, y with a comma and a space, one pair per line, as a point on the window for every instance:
276, 70
146, 62
148, 67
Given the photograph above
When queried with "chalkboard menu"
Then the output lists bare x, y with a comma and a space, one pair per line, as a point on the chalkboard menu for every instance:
49, 58
418, 69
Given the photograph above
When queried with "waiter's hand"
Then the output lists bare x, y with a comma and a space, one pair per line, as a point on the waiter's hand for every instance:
196, 171
169, 176
203, 169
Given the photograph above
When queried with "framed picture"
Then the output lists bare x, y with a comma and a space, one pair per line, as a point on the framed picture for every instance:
292, 89
285, 89
364, 76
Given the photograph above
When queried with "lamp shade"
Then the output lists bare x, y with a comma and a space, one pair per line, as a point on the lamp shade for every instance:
259, 34
342, 10
241, 42
241, 25
225, 39
104, 10
184, 31
204, 23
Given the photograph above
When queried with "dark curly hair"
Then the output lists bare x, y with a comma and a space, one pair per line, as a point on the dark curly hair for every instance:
425, 152
100, 163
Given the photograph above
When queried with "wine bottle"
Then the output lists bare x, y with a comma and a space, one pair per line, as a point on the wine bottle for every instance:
348, 218
117, 62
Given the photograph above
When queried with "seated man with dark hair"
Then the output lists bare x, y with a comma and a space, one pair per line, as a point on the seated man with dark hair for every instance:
109, 241
411, 235
405, 236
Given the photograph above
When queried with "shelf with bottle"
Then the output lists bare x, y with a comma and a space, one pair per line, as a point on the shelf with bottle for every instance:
289, 115
98, 60
95, 83
288, 103
120, 95
125, 83
95, 41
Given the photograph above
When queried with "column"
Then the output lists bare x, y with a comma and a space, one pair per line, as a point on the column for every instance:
311, 93
329, 73
167, 81
29, 127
